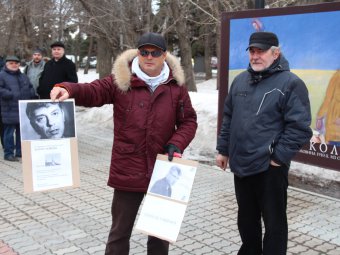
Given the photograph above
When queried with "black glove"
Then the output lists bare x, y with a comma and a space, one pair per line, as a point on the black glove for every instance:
170, 149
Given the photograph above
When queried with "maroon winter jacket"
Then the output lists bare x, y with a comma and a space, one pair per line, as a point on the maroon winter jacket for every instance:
144, 121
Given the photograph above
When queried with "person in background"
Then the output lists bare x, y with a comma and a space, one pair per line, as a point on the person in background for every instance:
152, 115
35, 68
14, 86
1, 130
58, 69
2, 63
266, 120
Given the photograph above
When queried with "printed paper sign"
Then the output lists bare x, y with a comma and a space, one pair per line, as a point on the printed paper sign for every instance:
167, 198
51, 164
49, 145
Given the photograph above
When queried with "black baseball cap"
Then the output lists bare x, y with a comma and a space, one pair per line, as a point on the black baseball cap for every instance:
263, 40
153, 39
58, 44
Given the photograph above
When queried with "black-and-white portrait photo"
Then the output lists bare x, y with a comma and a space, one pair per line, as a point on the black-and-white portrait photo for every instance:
44, 119
172, 180
164, 185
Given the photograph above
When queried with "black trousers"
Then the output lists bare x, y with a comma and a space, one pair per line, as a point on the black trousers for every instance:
265, 195
124, 209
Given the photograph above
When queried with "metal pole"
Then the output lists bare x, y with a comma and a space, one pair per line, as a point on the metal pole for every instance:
259, 4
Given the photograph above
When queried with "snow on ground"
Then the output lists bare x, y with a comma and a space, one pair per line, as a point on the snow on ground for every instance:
203, 146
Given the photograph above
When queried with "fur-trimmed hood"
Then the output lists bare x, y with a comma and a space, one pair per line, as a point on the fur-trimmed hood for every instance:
121, 70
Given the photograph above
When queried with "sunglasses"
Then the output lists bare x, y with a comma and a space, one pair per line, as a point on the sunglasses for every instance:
154, 54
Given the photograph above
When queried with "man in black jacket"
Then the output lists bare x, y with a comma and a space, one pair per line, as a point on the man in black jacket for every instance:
56, 70
266, 120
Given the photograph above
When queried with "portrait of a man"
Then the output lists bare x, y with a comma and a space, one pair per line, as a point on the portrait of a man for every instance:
47, 120
164, 186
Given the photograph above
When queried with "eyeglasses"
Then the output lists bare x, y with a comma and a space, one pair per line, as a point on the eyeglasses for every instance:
154, 54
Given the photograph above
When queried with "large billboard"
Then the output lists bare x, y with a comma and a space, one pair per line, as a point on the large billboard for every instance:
309, 38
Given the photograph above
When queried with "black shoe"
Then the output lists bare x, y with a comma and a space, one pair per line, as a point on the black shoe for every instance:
18, 156
11, 158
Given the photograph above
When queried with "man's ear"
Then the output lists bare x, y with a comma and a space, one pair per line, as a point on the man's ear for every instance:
276, 53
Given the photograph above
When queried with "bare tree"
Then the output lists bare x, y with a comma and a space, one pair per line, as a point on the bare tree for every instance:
116, 25
179, 10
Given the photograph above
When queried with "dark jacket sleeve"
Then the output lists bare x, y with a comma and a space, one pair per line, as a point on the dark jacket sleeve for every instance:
5, 93
223, 138
71, 73
33, 94
297, 118
186, 122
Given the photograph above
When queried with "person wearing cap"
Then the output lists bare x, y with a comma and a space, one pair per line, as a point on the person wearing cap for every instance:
14, 86
34, 68
58, 69
152, 115
266, 120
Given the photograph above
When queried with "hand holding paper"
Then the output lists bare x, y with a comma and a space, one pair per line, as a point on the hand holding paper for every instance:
172, 151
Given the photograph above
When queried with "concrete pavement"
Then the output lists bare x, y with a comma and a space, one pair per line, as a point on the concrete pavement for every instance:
77, 221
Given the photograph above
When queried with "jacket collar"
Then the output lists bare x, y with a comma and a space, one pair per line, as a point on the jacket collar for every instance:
122, 74
11, 71
60, 59
279, 65
40, 64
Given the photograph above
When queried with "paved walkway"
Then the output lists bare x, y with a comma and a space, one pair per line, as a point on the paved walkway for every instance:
77, 221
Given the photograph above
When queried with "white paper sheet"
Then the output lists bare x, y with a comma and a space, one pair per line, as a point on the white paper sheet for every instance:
51, 164
161, 218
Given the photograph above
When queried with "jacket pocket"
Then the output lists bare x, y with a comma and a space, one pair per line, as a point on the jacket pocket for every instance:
124, 148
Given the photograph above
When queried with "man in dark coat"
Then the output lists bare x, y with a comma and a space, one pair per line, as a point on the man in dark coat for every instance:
56, 70
266, 120
152, 115
14, 86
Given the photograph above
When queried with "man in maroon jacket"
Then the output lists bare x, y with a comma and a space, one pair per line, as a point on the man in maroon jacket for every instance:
152, 114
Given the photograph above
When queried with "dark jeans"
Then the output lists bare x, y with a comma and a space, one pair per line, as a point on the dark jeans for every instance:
9, 143
124, 209
265, 195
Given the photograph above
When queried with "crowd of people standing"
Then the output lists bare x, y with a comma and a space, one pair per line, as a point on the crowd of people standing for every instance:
34, 82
